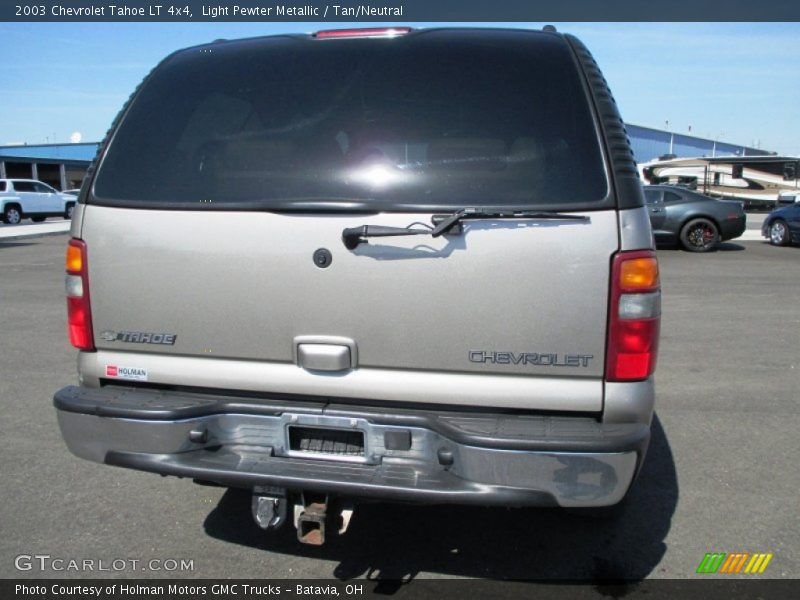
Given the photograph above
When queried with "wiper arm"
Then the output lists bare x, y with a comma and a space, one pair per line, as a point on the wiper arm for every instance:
353, 236
492, 213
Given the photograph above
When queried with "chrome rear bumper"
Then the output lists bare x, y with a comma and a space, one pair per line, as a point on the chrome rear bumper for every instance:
408, 455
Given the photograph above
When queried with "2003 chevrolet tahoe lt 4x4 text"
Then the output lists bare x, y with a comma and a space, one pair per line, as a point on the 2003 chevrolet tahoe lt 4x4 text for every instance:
387, 264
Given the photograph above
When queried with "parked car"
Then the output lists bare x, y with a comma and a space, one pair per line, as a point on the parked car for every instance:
422, 301
28, 198
696, 222
782, 226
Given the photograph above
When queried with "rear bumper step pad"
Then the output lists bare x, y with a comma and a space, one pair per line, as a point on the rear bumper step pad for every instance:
506, 431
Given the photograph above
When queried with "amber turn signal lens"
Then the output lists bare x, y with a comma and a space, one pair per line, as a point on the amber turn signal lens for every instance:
639, 274
74, 259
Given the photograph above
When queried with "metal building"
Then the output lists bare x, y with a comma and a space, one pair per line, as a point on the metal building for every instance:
649, 144
62, 166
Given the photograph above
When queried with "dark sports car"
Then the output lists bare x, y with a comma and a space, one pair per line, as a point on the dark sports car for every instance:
782, 226
696, 222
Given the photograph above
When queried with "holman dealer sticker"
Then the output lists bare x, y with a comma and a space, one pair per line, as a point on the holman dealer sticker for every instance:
133, 373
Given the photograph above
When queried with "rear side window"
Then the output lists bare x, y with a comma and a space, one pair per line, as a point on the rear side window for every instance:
24, 186
652, 196
437, 119
2, 186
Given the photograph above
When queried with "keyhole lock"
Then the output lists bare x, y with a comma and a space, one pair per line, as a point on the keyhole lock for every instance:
323, 258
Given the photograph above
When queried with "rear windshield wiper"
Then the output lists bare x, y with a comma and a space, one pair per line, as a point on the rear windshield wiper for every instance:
353, 236
492, 213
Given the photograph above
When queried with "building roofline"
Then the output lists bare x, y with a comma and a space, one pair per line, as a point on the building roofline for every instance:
45, 161
697, 137
14, 146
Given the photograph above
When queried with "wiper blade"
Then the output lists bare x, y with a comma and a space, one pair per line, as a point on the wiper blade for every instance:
492, 213
353, 236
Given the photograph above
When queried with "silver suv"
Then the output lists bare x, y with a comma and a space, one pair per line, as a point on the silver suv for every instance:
399, 265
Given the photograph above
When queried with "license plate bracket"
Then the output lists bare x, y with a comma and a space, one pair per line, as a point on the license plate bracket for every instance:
326, 441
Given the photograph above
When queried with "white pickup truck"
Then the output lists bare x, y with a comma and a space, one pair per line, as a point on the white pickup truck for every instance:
23, 198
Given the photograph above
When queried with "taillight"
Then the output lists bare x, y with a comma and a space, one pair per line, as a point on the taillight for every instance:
79, 312
634, 316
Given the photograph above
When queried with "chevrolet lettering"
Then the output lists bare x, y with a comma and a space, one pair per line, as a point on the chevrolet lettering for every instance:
530, 358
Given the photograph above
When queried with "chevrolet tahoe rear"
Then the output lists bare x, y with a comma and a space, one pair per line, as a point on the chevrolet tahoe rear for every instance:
367, 264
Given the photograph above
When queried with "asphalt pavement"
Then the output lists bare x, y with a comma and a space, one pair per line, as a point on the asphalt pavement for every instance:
721, 475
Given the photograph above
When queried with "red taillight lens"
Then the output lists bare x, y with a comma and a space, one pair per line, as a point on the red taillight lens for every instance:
79, 319
634, 354
79, 312
634, 316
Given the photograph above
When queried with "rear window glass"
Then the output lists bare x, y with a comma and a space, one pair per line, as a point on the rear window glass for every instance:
434, 119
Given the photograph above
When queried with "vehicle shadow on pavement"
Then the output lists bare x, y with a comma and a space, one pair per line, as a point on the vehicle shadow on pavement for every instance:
392, 543
15, 244
729, 247
721, 247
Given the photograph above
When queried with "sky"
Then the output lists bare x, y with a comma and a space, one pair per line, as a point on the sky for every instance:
735, 82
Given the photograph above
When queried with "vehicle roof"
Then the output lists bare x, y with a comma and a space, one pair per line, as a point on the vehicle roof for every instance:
708, 160
413, 32
666, 186
678, 188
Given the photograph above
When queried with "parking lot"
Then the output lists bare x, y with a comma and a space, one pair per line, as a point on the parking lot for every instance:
721, 474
